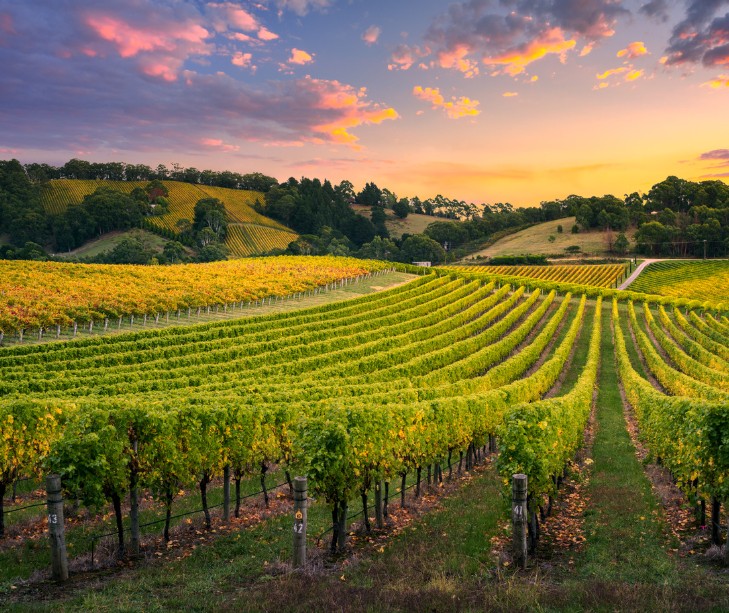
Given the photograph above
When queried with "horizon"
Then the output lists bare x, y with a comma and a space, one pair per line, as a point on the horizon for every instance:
486, 102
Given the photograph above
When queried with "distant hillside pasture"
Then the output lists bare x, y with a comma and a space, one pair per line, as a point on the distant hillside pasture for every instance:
702, 280
535, 239
414, 223
183, 197
111, 239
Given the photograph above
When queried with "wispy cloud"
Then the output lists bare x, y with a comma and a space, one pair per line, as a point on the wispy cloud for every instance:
371, 35
455, 108
719, 82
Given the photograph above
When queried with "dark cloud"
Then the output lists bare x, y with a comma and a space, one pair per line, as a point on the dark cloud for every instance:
702, 36
656, 9
474, 30
591, 19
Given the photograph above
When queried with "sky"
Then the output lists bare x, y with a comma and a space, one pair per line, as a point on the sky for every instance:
481, 100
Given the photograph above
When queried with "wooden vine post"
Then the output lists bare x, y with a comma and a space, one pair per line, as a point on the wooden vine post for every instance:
519, 519
59, 559
300, 504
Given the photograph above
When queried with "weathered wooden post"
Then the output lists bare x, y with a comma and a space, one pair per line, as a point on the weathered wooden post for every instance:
300, 504
226, 493
715, 521
519, 518
59, 559
134, 500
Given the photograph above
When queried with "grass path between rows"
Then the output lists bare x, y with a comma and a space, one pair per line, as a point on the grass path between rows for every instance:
626, 531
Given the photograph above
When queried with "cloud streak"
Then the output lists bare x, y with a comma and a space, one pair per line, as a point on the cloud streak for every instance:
456, 108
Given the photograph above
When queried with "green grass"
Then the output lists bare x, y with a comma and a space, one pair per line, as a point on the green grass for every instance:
19, 563
414, 223
625, 527
110, 240
535, 239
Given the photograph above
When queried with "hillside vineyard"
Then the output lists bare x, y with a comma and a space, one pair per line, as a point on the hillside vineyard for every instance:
357, 392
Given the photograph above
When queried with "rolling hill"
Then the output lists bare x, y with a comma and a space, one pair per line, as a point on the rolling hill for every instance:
536, 239
249, 232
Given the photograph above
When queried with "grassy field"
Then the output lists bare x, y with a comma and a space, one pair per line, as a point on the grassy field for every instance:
536, 240
702, 280
110, 240
412, 224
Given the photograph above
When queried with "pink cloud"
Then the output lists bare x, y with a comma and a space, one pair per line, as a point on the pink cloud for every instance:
239, 36
166, 70
232, 16
454, 108
161, 47
457, 58
348, 107
587, 49
404, 56
130, 40
241, 59
218, 145
266, 35
300, 57
371, 35
227, 17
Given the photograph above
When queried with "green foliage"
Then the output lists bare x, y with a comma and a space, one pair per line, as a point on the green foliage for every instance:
420, 248
371, 195
210, 214
538, 439
687, 432
449, 232
622, 244
401, 208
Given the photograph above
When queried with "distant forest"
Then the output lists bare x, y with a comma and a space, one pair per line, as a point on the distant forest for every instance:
675, 218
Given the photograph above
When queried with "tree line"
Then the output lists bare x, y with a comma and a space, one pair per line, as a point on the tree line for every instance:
675, 217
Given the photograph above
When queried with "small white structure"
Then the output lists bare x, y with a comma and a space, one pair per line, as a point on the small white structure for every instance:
426, 264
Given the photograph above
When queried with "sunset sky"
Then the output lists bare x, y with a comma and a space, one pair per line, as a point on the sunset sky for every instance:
484, 101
